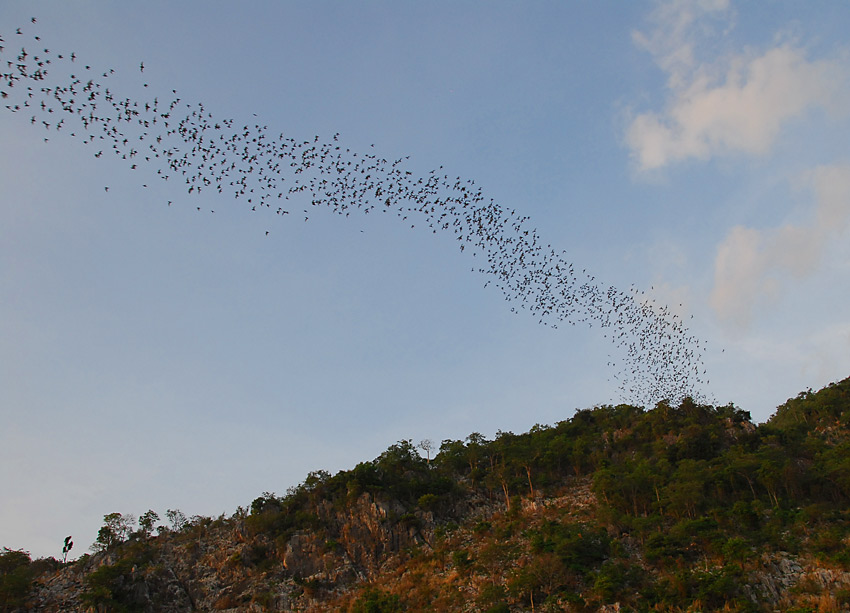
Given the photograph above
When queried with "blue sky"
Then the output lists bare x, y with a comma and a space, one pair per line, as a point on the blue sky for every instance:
155, 356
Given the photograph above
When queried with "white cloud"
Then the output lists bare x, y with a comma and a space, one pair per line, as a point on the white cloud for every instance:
752, 264
736, 103
722, 100
679, 25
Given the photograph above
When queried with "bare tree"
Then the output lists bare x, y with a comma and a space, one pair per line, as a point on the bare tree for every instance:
427, 445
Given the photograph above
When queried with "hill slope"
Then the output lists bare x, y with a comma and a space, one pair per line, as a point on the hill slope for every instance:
687, 507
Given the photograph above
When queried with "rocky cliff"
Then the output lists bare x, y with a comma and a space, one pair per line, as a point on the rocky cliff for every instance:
688, 508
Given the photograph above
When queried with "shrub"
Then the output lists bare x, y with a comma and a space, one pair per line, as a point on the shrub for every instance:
110, 588
374, 600
491, 595
428, 502
461, 559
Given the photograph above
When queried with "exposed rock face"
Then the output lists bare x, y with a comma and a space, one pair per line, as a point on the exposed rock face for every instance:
371, 529
155, 589
780, 575
217, 565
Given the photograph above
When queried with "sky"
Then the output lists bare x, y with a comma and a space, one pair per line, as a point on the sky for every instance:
157, 356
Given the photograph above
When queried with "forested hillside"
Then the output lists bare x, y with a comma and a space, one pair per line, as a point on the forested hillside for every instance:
676, 508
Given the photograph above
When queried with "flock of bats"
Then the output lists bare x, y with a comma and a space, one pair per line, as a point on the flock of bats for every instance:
266, 170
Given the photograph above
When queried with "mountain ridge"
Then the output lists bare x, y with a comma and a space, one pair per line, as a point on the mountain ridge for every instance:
675, 508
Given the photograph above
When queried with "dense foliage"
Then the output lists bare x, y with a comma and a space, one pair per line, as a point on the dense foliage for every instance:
699, 490
17, 572
687, 501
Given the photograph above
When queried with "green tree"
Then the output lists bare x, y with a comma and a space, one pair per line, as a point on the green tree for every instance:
116, 528
834, 467
539, 578
475, 450
15, 579
771, 472
686, 491
452, 456
147, 523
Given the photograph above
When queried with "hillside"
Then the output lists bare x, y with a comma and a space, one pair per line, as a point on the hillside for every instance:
677, 508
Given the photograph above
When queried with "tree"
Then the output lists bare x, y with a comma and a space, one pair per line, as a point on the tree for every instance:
399, 458
542, 575
427, 445
771, 472
475, 444
452, 456
527, 452
685, 492
177, 519
147, 523
116, 528
15, 578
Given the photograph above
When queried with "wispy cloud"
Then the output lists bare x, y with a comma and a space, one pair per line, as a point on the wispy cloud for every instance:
735, 103
753, 265
721, 100
678, 27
